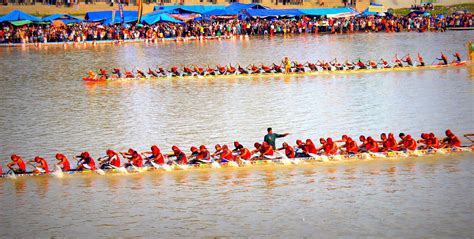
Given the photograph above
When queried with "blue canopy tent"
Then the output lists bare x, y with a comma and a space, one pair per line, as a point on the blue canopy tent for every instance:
100, 16
67, 19
236, 6
156, 17
221, 12
313, 12
128, 17
178, 9
17, 15
271, 13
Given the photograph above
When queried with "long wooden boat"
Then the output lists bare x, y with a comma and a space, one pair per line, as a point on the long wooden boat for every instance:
309, 73
278, 161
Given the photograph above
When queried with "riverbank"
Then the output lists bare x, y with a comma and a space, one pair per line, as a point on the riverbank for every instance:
446, 10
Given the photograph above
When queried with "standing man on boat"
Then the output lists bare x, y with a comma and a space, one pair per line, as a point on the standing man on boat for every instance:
271, 137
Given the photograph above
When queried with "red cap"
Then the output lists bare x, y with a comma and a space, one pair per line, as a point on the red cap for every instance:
202, 147
174, 148
14, 157
299, 142
257, 145
60, 156
38, 158
236, 143
193, 149
109, 152
155, 149
329, 140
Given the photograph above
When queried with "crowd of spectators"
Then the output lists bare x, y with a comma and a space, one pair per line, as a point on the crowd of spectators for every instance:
96, 32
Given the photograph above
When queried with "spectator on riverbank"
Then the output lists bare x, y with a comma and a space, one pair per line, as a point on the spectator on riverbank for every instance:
97, 32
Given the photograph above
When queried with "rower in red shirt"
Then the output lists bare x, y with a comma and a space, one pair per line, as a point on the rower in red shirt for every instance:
385, 143
433, 141
156, 155
409, 143
136, 160
257, 146
407, 59
18, 161
181, 157
113, 160
204, 154
218, 151
443, 60
309, 147
363, 141
226, 154
266, 151
420, 60
451, 140
424, 140
289, 151
458, 57
41, 165
351, 146
392, 142
63, 162
372, 145
330, 147
85, 162
245, 154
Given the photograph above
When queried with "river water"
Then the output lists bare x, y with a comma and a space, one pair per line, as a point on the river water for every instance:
46, 108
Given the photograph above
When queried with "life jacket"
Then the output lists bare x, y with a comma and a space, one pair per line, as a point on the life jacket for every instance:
289, 152
245, 154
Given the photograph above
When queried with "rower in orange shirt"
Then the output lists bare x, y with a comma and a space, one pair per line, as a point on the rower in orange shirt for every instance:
41, 166
63, 162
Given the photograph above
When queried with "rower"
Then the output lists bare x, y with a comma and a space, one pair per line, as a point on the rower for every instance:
451, 140
41, 165
266, 151
181, 157
156, 156
231, 69
85, 162
309, 147
372, 64
136, 160
420, 60
289, 151
408, 143
300, 149
407, 59
226, 155
361, 65
103, 73
129, 74
63, 162
152, 72
372, 145
433, 141
349, 65
221, 69
199, 70
117, 72
330, 147
187, 71
298, 67
237, 146
141, 74
210, 70
257, 147
322, 141
92, 75
392, 141
18, 161
244, 154
385, 143
266, 69
351, 146
458, 57
277, 68
362, 146
127, 155
312, 66
253, 69
443, 60
204, 155
271, 137
424, 139
194, 152
174, 71
384, 63
242, 70
398, 62
402, 137
218, 151
112, 160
